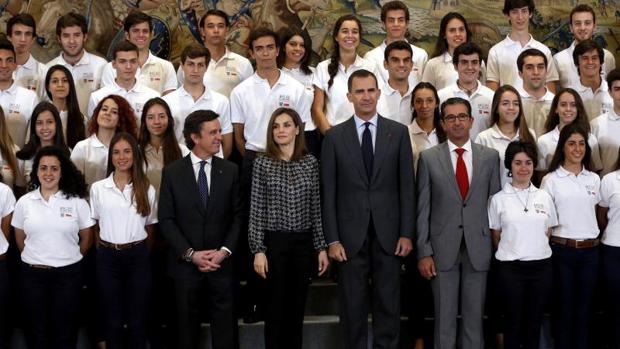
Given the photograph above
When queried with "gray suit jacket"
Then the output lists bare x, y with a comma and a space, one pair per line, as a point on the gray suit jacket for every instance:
444, 218
350, 198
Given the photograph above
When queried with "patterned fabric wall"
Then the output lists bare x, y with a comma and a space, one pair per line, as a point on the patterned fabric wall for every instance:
176, 21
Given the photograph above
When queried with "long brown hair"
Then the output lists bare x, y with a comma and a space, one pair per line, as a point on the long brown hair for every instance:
273, 150
519, 123
7, 147
553, 119
138, 178
169, 145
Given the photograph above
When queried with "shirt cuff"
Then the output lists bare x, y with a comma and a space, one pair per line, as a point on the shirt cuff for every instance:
333, 242
227, 250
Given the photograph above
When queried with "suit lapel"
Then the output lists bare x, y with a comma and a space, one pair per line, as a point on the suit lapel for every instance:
352, 143
475, 158
189, 178
446, 163
383, 140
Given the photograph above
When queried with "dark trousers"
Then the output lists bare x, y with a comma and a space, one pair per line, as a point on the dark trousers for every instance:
314, 140
216, 288
124, 283
610, 260
4, 309
51, 301
575, 274
524, 287
292, 262
371, 262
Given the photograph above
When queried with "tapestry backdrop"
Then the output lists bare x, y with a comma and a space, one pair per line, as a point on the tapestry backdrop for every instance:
176, 21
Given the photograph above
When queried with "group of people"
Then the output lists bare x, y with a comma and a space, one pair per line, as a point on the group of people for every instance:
359, 164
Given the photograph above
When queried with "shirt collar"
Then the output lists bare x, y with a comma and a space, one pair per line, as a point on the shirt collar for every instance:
360, 123
137, 87
12, 90
31, 63
108, 182
358, 63
580, 88
415, 128
447, 57
83, 61
196, 160
281, 79
611, 114
466, 146
496, 133
227, 55
206, 95
95, 142
548, 96
562, 172
36, 194
510, 189
555, 133
388, 90
509, 42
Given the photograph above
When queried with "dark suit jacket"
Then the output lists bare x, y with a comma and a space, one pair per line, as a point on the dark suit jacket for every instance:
183, 220
350, 198
444, 218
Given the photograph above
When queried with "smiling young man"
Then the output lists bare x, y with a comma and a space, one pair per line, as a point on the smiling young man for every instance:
153, 72
395, 100
395, 19
86, 68
467, 62
226, 68
592, 88
125, 84
583, 26
502, 65
21, 30
194, 95
535, 97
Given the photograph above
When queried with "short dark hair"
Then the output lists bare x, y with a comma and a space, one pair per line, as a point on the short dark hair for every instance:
530, 52
513, 4
397, 45
124, 46
72, 182
612, 76
136, 18
361, 73
23, 19
214, 12
393, 6
259, 33
466, 48
72, 19
5, 44
193, 124
455, 101
517, 147
195, 51
581, 8
585, 47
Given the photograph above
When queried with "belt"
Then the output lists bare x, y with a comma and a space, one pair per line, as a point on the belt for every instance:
585, 243
118, 247
41, 266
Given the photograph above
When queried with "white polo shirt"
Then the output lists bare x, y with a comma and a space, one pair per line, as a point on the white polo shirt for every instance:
7, 204
306, 80
481, 101
494, 138
440, 71
610, 198
137, 96
18, 104
90, 156
420, 140
567, 69
419, 59
549, 141
393, 106
51, 228
253, 101
154, 163
86, 75
156, 73
502, 61
595, 102
523, 234
182, 103
575, 198
31, 76
337, 106
115, 210
536, 110
606, 128
222, 76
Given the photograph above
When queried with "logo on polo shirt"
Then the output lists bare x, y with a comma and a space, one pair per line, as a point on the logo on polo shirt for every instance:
155, 75
591, 189
230, 71
66, 212
14, 108
88, 78
138, 107
540, 208
483, 108
284, 101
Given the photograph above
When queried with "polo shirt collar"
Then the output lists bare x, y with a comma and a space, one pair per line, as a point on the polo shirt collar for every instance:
95, 142
31, 63
388, 90
562, 172
36, 195
358, 63
496, 133
108, 182
447, 57
206, 95
611, 114
509, 42
510, 189
548, 96
12, 90
83, 61
137, 87
580, 88
281, 79
416, 129
227, 55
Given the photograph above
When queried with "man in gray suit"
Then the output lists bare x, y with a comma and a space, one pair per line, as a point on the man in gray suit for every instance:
455, 180
368, 213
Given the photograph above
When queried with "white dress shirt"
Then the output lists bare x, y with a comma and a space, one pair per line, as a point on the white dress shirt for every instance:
467, 157
360, 127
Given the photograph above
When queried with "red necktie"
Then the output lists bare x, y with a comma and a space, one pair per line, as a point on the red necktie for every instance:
461, 173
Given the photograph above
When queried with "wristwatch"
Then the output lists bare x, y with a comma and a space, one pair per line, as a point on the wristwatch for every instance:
187, 256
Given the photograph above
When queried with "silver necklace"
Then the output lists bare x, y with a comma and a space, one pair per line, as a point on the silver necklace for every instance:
527, 198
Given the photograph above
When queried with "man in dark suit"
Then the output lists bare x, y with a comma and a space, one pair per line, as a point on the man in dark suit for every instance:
455, 180
200, 216
368, 213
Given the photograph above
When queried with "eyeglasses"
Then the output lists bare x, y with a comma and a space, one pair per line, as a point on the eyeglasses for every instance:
452, 118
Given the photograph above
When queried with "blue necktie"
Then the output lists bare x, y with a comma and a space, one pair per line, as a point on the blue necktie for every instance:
203, 185
367, 152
